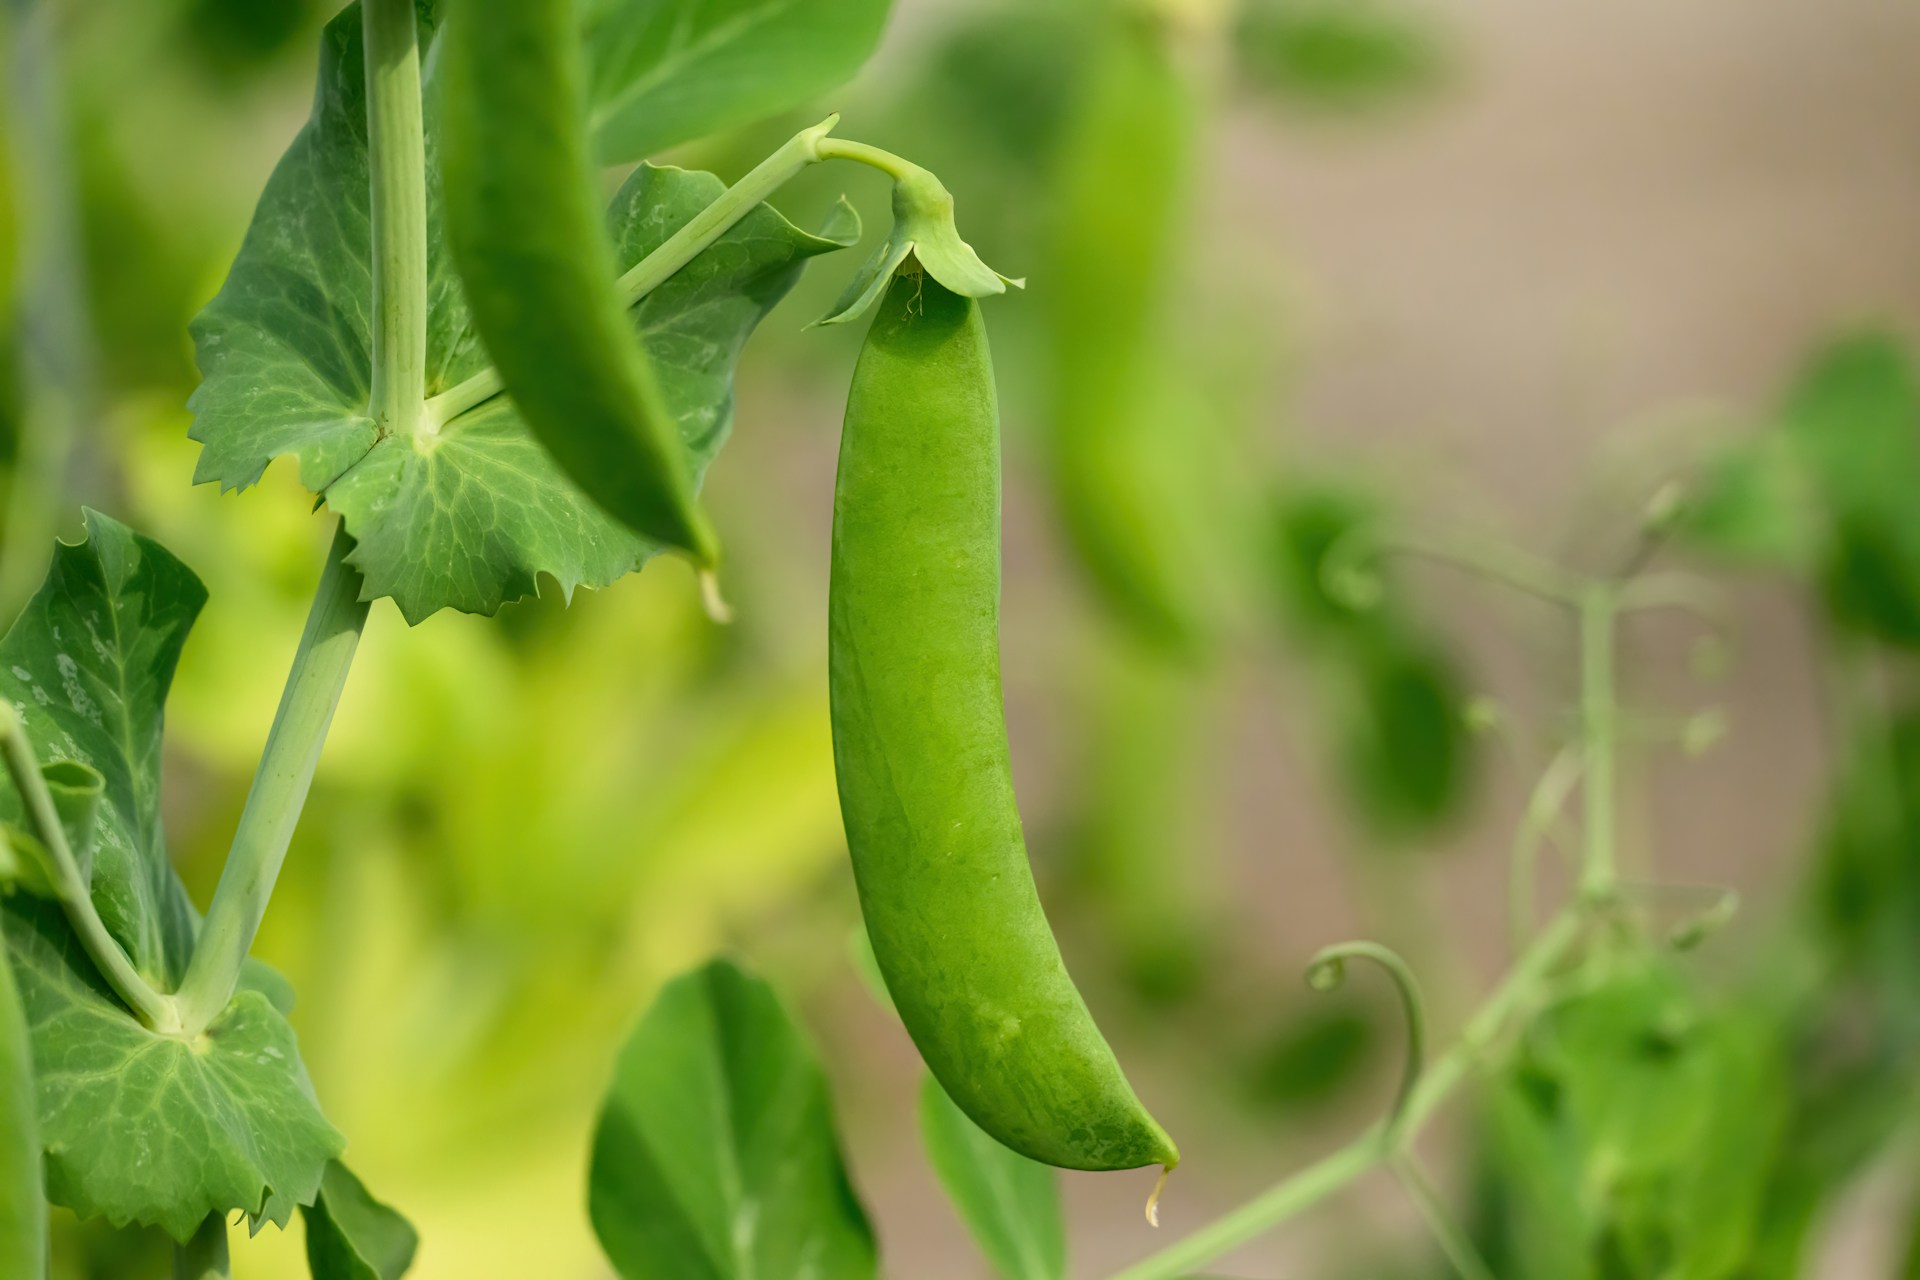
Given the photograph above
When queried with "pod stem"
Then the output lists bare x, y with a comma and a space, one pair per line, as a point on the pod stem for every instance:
154, 1009
693, 238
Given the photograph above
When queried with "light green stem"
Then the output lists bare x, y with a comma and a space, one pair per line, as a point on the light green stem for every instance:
396, 160
676, 251
76, 898
205, 1256
1453, 1242
1327, 970
279, 789
1543, 813
1335, 1172
1346, 575
1599, 733
895, 167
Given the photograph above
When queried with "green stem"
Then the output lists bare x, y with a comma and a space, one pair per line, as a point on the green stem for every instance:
1327, 970
1447, 1234
205, 1256
1319, 1180
895, 167
397, 165
683, 246
157, 1011
279, 791
1333, 1173
1544, 810
1347, 577
1599, 732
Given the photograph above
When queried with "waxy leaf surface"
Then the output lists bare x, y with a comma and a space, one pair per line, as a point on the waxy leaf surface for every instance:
467, 517
138, 1127
716, 1156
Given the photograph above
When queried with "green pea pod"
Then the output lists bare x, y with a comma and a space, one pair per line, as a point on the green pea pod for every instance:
920, 749
526, 231
1134, 479
23, 1201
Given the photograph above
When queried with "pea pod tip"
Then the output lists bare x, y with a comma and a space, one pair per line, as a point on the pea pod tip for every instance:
1153, 1200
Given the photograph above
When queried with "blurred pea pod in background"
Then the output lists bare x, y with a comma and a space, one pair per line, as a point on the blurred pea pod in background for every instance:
1144, 479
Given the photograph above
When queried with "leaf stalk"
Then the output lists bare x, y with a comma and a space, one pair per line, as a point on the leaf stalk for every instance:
155, 1010
280, 787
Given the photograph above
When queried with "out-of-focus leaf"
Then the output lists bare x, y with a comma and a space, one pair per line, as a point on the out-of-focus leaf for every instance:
665, 72
1309, 521
1010, 1204
1396, 700
1752, 505
76, 790
230, 1122
23, 1196
716, 1157
1534, 1221
1854, 421
1634, 1137
1868, 878
352, 1236
1408, 751
469, 518
1311, 1057
1338, 53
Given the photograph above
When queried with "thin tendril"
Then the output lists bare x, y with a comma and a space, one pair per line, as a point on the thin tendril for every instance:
1328, 970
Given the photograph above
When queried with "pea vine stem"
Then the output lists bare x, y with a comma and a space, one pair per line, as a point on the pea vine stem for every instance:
1599, 730
279, 792
76, 898
396, 160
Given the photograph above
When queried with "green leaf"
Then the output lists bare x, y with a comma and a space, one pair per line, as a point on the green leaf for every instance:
470, 517
716, 1157
1408, 753
1011, 1204
229, 1121
76, 790
1342, 54
23, 1197
539, 275
1854, 421
1752, 504
665, 72
87, 665
352, 1236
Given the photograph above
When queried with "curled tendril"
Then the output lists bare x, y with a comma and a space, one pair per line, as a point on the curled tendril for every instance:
1328, 969
1350, 572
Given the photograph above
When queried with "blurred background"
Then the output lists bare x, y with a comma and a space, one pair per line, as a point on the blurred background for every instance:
1295, 267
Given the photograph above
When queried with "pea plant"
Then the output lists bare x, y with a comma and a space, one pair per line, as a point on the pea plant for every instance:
486, 378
